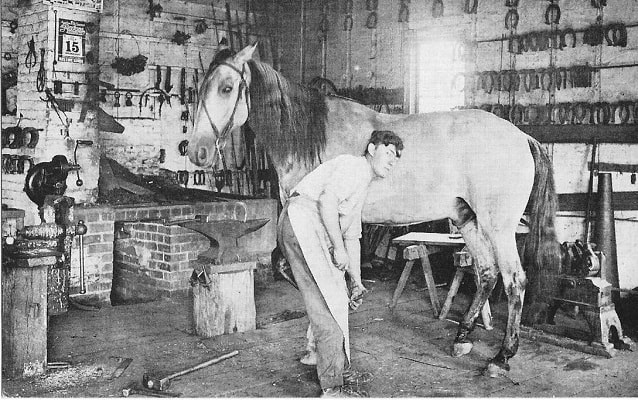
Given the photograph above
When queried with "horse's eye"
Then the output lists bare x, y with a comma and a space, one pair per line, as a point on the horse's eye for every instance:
227, 89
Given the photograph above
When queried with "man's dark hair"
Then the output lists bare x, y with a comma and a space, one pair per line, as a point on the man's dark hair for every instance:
386, 138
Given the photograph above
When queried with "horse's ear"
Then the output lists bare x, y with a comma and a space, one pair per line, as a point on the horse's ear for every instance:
246, 54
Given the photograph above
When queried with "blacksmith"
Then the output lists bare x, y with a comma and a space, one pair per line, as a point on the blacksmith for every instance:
319, 231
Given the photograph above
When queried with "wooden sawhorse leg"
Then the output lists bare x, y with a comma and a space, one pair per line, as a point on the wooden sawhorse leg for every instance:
486, 312
412, 253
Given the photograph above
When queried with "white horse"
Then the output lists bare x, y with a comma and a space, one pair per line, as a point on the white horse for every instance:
470, 166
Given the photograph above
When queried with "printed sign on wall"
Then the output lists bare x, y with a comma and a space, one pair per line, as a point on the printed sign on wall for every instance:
88, 5
71, 40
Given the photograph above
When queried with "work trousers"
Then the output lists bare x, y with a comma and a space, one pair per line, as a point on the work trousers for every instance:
331, 357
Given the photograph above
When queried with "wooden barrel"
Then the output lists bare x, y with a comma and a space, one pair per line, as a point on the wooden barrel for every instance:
24, 315
228, 304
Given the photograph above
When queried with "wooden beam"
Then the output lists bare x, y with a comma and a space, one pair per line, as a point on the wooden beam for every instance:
613, 167
622, 201
582, 133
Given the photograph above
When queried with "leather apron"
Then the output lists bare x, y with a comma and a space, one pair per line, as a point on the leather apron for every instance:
315, 244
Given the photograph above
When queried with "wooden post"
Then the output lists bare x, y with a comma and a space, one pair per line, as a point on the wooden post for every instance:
24, 315
228, 305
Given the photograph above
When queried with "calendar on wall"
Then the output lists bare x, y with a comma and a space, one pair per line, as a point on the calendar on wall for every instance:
87, 5
71, 40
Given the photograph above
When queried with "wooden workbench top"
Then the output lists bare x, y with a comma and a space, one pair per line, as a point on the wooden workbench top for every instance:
438, 239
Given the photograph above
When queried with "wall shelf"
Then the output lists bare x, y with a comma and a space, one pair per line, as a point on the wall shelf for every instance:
582, 133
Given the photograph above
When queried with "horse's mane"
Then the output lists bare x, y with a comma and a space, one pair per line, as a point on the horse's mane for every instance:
287, 118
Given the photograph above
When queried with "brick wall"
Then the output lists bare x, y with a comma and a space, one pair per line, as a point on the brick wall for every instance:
154, 255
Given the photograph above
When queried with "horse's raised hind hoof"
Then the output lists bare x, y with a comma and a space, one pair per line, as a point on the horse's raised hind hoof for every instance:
494, 369
461, 348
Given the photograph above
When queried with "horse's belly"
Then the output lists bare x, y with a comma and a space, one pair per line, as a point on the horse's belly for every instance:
405, 201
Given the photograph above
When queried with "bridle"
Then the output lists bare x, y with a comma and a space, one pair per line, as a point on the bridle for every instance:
243, 87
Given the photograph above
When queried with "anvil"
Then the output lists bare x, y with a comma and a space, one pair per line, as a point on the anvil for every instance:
223, 235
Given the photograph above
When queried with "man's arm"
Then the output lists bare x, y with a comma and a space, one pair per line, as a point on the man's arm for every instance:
353, 248
328, 211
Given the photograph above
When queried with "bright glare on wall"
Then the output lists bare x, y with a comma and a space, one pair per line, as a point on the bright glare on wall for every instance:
441, 81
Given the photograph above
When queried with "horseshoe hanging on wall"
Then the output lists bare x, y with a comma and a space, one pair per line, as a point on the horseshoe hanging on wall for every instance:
552, 14
470, 6
437, 8
511, 19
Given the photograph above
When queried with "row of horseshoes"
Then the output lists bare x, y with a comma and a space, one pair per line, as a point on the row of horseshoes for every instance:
16, 137
532, 79
613, 34
581, 113
16, 163
183, 176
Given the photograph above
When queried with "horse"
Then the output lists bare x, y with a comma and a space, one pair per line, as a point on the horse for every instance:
470, 166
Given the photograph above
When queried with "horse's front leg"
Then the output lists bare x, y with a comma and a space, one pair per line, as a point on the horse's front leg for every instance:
487, 273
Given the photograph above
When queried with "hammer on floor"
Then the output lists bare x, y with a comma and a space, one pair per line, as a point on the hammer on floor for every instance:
155, 383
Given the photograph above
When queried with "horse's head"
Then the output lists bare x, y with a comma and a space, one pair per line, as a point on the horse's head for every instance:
223, 105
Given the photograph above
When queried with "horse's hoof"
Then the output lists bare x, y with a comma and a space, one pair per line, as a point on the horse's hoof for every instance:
493, 369
461, 349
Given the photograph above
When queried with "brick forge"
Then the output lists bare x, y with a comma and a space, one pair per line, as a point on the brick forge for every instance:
131, 256
152, 260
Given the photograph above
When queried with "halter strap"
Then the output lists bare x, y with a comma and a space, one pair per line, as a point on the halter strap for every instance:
242, 87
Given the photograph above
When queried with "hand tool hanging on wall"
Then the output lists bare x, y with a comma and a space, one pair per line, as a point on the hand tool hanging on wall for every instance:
184, 118
129, 99
81, 230
590, 190
167, 80
347, 26
79, 181
158, 76
238, 26
161, 103
31, 60
41, 81
229, 23
51, 100
182, 86
215, 26
323, 30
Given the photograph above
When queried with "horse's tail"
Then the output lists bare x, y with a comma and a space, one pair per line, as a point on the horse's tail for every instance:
541, 251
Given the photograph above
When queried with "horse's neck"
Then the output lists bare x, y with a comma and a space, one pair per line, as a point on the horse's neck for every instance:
348, 129
290, 172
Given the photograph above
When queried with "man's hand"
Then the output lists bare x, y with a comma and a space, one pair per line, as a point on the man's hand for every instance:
356, 296
340, 258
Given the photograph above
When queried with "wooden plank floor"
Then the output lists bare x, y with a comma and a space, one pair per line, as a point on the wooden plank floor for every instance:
407, 351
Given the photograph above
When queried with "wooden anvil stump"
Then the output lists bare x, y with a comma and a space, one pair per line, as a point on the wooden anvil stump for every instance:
223, 278
226, 303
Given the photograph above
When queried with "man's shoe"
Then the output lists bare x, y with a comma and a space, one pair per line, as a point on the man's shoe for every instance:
352, 377
310, 358
342, 391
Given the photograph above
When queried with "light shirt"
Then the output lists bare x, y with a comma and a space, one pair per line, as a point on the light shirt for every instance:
347, 177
